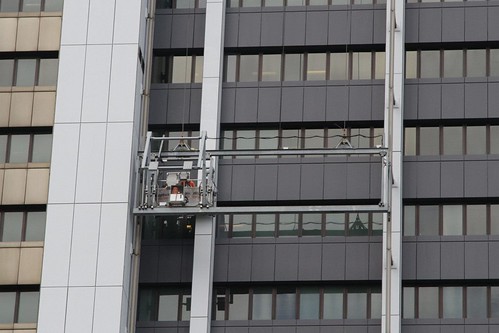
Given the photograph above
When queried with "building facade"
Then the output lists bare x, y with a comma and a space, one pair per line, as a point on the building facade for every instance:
399, 241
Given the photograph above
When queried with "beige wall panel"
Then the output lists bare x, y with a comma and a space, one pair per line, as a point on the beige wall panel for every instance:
37, 186
27, 34
8, 27
50, 34
9, 265
30, 266
4, 109
43, 109
14, 186
21, 108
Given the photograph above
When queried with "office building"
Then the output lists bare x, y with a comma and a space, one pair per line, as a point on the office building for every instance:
348, 166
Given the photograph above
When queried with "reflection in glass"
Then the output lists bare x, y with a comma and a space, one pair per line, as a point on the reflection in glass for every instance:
159, 70
476, 302
285, 303
428, 302
295, 3
248, 68
268, 139
35, 226
476, 220
47, 75
452, 220
314, 138
293, 67
358, 224
309, 303
262, 304
316, 66
333, 303
356, 303
186, 305
452, 302
42, 148
453, 63
181, 72
252, 3
376, 224
26, 69
429, 141
6, 72
430, 64
428, 220
31, 5
361, 65
7, 307
476, 63
19, 148
288, 224
238, 304
185, 3
290, 139
246, 139
338, 66
453, 140
271, 67
311, 224
12, 227
241, 225
335, 224
145, 307
28, 307
274, 3
476, 140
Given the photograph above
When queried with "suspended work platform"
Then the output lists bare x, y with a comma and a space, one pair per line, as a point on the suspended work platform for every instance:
182, 180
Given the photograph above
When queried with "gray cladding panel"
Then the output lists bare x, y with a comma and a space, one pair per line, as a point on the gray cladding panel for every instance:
292, 104
294, 28
260, 329
428, 179
452, 260
475, 100
249, 29
308, 329
284, 329
475, 178
266, 182
476, 260
355, 329
224, 182
410, 179
429, 100
379, 27
337, 103
178, 105
182, 31
231, 29
357, 261
314, 108
411, 101
228, 105
493, 255
477, 329
269, 105
362, 26
452, 101
428, 261
375, 261
288, 182
170, 261
412, 25
493, 178
195, 106
243, 180
475, 24
263, 262
375, 185
451, 180
452, 24
451, 329
221, 263
309, 262
378, 102
286, 262
430, 29
162, 29
358, 181
409, 259
493, 97
272, 26
316, 28
493, 23
239, 262
158, 106
246, 105
335, 181
312, 181
199, 24
229, 329
339, 27
360, 103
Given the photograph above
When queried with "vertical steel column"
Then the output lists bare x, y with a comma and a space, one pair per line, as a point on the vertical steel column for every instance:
394, 136
204, 240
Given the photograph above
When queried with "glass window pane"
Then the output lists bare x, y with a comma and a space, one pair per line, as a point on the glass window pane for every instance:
262, 304
494, 139
409, 220
316, 66
411, 64
376, 304
453, 63
293, 67
429, 141
295, 3
360, 137
252, 3
246, 139
376, 224
408, 306
428, 220
494, 219
198, 70
494, 302
274, 3
288, 224
453, 140
333, 303
314, 138
42, 148
53, 5
452, 220
219, 304
26, 72
338, 66
340, 2
181, 72
476, 302
28, 307
241, 225
309, 303
9, 6
185, 4
159, 70
311, 224
290, 139
168, 306
3, 148
12, 227
35, 226
6, 72
19, 149
317, 2
452, 302
494, 62
335, 224
271, 67
379, 69
145, 307
476, 220
7, 307
358, 224
48, 72
428, 302
162, 4
285, 303
410, 141
357, 303
186, 306
265, 225
268, 139
230, 68
361, 65
238, 304
476, 63
430, 64
31, 5
476, 140
248, 68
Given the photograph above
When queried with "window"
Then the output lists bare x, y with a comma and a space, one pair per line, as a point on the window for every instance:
309, 303
248, 68
430, 64
356, 303
316, 66
238, 304
452, 220
361, 65
333, 303
262, 304
28, 72
31, 5
177, 69
428, 220
168, 227
271, 67
428, 302
429, 141
19, 306
164, 304
452, 302
24, 148
18, 226
476, 63
179, 4
453, 63
293, 67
